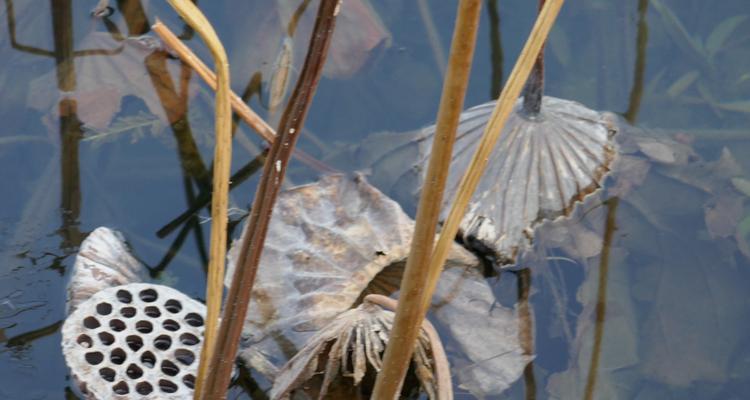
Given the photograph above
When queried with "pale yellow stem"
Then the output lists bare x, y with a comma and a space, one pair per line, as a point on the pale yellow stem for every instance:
503, 108
222, 162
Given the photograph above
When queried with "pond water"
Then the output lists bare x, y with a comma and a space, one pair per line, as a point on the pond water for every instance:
658, 309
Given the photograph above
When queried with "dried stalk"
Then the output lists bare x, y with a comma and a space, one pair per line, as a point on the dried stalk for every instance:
222, 163
503, 108
274, 168
238, 105
409, 315
442, 368
389, 381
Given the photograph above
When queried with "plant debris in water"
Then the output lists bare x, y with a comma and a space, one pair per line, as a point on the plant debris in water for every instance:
331, 243
351, 346
541, 166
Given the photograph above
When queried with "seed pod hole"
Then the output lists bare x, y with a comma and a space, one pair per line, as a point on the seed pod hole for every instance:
152, 312
118, 356
124, 296
184, 356
148, 359
189, 339
85, 341
134, 371
144, 327
121, 388
108, 374
103, 308
189, 381
144, 388
134, 342
163, 342
117, 325
167, 386
171, 325
173, 306
94, 357
148, 295
128, 312
194, 319
106, 338
169, 368
91, 323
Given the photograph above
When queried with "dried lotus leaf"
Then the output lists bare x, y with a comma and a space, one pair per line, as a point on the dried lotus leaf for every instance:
103, 261
340, 350
330, 244
540, 167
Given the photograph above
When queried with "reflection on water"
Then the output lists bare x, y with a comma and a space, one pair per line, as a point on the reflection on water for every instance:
641, 297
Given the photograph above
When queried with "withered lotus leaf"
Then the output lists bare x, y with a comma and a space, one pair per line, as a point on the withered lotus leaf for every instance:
540, 167
103, 261
333, 242
353, 343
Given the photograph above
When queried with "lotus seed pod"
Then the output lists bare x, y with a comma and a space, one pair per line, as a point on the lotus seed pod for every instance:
135, 341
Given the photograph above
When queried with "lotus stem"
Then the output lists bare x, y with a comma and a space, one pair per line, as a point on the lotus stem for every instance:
222, 163
274, 168
409, 314
534, 90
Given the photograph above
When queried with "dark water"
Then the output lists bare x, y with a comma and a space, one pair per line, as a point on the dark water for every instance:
124, 154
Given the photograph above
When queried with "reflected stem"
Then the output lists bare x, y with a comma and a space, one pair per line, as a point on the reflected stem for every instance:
496, 49
601, 298
636, 92
526, 331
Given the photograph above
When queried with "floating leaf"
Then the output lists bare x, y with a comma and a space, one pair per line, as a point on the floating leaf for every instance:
722, 32
541, 166
136, 125
330, 244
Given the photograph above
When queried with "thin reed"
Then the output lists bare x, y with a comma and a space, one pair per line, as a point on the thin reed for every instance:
389, 381
222, 163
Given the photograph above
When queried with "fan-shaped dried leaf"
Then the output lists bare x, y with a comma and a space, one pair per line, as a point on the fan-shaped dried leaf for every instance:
331, 243
350, 345
540, 167
103, 261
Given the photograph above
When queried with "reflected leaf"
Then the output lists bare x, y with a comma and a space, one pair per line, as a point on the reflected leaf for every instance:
722, 32
681, 84
739, 106
103, 80
103, 261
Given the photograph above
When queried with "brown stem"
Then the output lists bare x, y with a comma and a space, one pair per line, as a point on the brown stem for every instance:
636, 92
534, 90
601, 297
409, 315
233, 317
